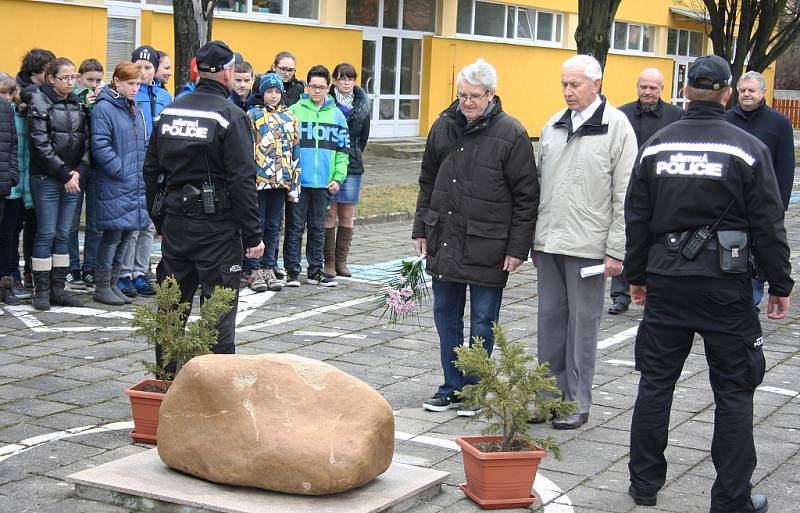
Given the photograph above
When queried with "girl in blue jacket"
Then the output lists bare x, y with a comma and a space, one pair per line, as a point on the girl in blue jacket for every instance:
118, 146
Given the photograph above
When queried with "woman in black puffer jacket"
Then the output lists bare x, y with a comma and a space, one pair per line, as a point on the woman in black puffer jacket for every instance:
354, 104
59, 132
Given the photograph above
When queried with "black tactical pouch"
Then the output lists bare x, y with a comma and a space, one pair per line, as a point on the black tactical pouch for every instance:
733, 251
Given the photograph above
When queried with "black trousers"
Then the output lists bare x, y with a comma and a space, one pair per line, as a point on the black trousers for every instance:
203, 253
721, 311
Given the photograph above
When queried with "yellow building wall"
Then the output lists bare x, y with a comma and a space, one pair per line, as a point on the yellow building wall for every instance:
528, 78
70, 31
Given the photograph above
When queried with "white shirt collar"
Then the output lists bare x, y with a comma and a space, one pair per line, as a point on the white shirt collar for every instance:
579, 118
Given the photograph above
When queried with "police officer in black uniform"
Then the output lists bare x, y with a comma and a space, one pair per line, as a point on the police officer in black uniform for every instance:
201, 157
702, 195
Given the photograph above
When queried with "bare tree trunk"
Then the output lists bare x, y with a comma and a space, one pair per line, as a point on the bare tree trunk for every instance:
594, 27
192, 22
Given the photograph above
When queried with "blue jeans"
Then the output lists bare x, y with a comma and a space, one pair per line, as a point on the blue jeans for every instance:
112, 248
758, 290
92, 236
449, 299
55, 208
136, 261
270, 211
311, 211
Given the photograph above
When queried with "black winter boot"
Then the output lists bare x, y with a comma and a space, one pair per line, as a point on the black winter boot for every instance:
59, 296
41, 290
102, 289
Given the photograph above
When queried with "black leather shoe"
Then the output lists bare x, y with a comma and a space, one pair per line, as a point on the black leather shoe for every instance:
573, 421
758, 503
618, 308
535, 419
641, 498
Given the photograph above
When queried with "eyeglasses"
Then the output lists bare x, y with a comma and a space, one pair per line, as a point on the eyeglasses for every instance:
287, 70
317, 88
471, 97
67, 78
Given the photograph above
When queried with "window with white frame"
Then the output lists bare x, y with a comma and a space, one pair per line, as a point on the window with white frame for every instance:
479, 18
303, 9
632, 37
684, 42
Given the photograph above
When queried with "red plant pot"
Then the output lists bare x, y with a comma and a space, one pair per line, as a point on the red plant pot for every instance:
498, 479
144, 409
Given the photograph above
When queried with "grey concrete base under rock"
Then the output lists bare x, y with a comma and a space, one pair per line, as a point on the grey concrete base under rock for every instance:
143, 482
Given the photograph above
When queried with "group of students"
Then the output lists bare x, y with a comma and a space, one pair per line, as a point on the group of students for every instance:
68, 140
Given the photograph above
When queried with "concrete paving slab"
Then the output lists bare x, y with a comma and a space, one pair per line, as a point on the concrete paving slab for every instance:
144, 482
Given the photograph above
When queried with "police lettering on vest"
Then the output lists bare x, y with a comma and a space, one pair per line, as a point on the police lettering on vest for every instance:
681, 164
186, 128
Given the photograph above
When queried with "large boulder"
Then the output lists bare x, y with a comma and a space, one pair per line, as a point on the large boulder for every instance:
275, 421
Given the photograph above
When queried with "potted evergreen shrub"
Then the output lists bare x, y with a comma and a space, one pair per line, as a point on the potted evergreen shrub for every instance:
164, 325
501, 465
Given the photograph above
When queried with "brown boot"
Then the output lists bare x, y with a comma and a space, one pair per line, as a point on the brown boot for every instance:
343, 238
329, 252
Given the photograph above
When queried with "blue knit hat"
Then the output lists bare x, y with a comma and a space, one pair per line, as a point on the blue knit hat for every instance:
268, 80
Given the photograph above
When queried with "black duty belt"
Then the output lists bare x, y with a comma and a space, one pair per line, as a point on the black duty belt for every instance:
679, 238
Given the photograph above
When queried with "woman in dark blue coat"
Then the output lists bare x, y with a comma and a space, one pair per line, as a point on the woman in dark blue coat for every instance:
118, 146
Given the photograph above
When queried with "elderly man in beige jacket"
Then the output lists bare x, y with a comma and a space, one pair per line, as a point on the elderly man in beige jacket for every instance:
588, 152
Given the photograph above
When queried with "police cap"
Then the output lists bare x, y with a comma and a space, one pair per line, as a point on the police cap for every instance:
214, 56
710, 72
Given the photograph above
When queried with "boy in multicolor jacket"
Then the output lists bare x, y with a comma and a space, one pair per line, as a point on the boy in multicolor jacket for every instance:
324, 148
277, 177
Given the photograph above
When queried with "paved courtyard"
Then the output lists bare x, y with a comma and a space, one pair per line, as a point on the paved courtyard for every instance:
63, 372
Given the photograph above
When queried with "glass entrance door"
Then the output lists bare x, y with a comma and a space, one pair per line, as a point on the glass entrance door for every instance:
681, 68
391, 69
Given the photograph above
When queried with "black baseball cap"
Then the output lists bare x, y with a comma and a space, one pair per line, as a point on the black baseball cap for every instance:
710, 72
214, 56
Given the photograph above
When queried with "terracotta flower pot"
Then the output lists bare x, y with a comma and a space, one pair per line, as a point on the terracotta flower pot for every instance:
144, 408
498, 479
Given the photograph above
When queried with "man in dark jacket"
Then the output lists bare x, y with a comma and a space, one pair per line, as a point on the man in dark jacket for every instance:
202, 146
702, 172
771, 128
475, 217
647, 115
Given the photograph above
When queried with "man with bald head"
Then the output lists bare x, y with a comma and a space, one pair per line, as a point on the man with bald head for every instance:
647, 115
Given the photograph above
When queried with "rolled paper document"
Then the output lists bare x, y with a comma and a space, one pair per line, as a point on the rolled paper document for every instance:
592, 270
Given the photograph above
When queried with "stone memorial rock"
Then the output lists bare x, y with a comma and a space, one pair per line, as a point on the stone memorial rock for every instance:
275, 421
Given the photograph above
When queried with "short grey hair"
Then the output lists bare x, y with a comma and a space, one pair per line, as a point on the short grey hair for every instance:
754, 75
591, 68
479, 73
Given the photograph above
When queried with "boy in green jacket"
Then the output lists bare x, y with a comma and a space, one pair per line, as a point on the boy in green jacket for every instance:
323, 150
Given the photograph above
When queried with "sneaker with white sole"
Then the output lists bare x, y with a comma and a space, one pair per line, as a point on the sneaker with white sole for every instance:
74, 281
441, 402
468, 412
320, 278
293, 280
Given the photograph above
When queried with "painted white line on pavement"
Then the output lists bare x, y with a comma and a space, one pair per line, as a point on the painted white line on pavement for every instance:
328, 334
622, 336
307, 313
549, 493
8, 451
780, 391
